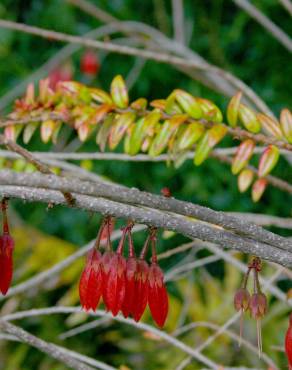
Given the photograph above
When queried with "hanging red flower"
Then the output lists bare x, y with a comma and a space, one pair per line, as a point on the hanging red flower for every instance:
115, 284
90, 285
141, 289
89, 63
130, 298
6, 262
288, 343
157, 295
6, 253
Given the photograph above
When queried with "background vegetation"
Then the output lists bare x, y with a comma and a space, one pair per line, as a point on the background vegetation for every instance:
225, 36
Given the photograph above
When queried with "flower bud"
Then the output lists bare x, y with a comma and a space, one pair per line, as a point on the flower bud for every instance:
89, 63
241, 299
258, 305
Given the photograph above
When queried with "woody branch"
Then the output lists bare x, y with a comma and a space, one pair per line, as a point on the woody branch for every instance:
149, 216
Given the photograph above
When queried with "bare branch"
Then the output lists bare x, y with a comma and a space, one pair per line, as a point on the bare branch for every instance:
137, 197
267, 24
141, 326
43, 168
217, 81
178, 20
147, 54
287, 5
43, 346
158, 219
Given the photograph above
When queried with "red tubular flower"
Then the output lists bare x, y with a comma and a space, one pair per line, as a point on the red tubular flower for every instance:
130, 298
6, 262
157, 295
89, 63
106, 260
6, 253
115, 284
141, 289
288, 343
90, 285
114, 278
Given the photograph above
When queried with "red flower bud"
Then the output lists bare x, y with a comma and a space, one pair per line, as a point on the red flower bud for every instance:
288, 343
157, 295
130, 298
6, 261
242, 299
166, 192
258, 305
141, 289
90, 285
89, 63
114, 285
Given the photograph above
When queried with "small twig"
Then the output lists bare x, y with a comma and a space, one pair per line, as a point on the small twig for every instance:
43, 346
287, 5
141, 326
41, 167
147, 54
178, 20
267, 24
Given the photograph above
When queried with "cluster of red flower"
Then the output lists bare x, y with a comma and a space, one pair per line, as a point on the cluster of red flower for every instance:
6, 253
125, 285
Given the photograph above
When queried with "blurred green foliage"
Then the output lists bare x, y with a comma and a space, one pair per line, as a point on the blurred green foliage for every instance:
224, 36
